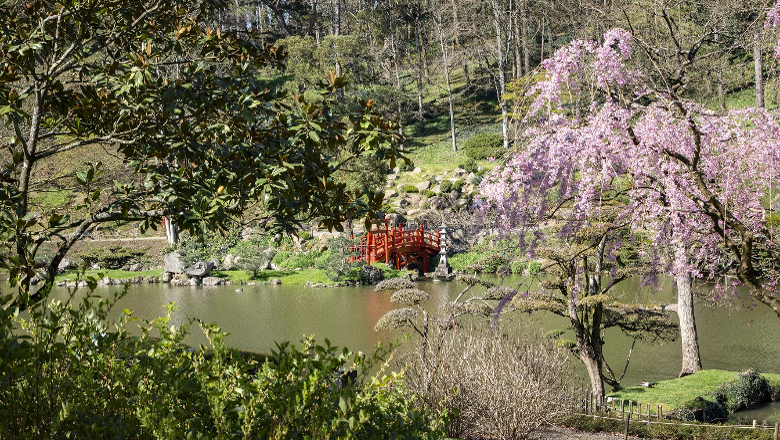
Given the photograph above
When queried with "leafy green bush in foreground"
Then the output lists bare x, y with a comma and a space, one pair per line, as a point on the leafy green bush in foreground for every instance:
67, 372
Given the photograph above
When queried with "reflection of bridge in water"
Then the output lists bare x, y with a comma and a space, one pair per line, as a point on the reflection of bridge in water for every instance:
398, 246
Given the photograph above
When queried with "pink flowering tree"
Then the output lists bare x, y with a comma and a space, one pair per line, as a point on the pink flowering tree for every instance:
611, 153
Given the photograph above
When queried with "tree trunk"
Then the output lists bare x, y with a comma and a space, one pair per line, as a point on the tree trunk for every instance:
501, 55
418, 43
447, 79
759, 70
691, 360
526, 52
337, 32
593, 366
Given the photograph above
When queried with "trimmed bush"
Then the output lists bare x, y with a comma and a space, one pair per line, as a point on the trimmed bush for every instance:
458, 185
470, 166
409, 189
747, 389
484, 145
489, 264
519, 266
446, 186
428, 193
534, 267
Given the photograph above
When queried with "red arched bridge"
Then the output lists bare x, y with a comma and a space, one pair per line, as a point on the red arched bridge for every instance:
398, 246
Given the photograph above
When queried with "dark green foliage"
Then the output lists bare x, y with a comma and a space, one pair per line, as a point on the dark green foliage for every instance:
470, 166
488, 264
458, 185
519, 266
748, 388
410, 189
70, 373
700, 410
484, 145
406, 166
197, 130
445, 187
335, 261
111, 257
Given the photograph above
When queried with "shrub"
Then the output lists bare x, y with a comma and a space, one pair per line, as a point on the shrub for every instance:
519, 266
394, 284
534, 267
458, 185
406, 166
304, 236
484, 145
461, 262
501, 391
445, 187
471, 165
428, 193
488, 264
111, 257
70, 373
409, 189
748, 388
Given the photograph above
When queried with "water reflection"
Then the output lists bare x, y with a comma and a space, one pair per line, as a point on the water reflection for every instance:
260, 315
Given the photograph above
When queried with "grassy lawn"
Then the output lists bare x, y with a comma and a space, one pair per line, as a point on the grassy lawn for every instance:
113, 274
674, 393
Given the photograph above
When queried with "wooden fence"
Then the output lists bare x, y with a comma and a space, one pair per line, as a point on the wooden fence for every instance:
628, 411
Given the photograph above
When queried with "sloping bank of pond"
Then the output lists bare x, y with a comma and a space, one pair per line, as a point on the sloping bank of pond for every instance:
709, 396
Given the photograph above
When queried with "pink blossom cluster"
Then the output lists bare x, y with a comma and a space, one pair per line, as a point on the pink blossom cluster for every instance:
565, 70
772, 20
670, 163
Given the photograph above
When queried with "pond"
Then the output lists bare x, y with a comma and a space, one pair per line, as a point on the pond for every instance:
257, 316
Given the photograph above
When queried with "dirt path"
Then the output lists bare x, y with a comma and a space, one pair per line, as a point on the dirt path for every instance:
557, 433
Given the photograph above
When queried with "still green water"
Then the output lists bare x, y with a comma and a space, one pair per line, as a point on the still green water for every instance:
731, 338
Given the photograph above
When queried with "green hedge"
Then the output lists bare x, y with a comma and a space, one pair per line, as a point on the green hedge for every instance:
484, 145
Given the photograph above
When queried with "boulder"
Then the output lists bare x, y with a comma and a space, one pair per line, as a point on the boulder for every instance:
422, 186
370, 275
417, 170
439, 203
229, 263
392, 176
403, 203
199, 269
389, 194
266, 258
166, 277
274, 281
135, 267
459, 172
64, 265
213, 281
395, 219
193, 281
151, 279
172, 263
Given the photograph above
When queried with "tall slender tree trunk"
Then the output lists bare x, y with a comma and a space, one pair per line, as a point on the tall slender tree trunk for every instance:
447, 78
526, 52
691, 360
337, 33
541, 46
418, 43
759, 69
501, 55
517, 29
